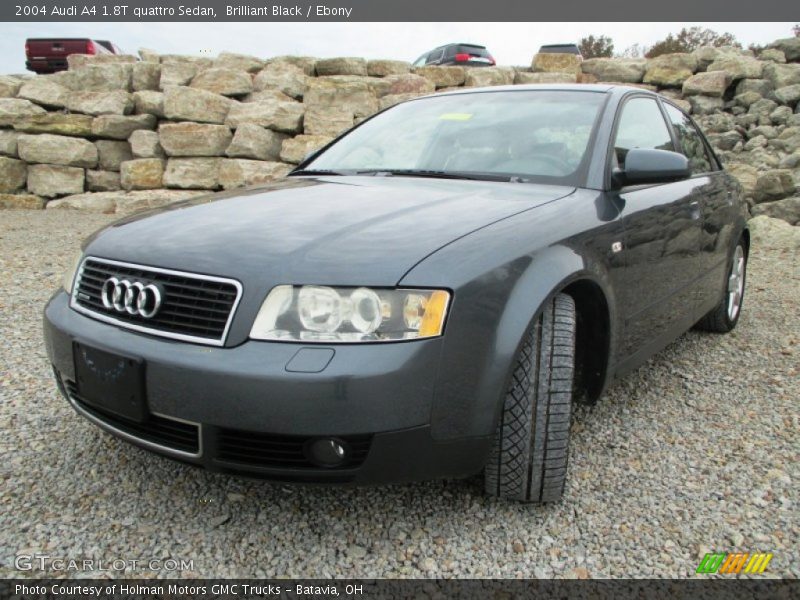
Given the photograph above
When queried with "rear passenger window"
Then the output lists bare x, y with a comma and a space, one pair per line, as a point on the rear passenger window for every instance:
690, 140
420, 62
641, 125
435, 56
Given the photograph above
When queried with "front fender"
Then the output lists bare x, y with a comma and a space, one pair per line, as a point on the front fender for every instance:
489, 319
500, 276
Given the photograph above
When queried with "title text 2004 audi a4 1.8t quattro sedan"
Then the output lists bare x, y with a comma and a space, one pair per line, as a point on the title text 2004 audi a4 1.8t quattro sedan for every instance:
425, 297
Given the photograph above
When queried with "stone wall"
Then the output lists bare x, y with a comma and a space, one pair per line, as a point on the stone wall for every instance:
118, 134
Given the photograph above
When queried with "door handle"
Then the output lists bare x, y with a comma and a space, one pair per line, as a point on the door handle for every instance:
695, 209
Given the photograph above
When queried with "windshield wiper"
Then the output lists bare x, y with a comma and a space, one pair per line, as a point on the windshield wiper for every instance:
316, 172
431, 173
468, 175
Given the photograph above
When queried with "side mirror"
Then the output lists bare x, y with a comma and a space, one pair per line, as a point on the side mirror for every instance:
645, 165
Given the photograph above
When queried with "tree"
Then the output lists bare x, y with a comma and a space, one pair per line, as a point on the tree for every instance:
596, 47
690, 39
635, 51
796, 30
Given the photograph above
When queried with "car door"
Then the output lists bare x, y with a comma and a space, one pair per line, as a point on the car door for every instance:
662, 231
714, 191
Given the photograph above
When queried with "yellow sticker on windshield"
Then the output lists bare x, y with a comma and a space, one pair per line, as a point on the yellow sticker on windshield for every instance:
456, 117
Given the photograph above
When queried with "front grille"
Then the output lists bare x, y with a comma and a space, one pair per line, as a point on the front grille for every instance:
161, 431
281, 451
194, 307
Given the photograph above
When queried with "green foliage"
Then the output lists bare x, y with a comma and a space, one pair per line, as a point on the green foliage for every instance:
596, 47
690, 39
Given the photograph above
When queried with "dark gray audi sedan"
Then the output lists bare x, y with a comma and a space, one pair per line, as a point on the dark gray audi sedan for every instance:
425, 297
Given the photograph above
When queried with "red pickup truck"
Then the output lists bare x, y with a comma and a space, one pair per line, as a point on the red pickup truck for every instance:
48, 55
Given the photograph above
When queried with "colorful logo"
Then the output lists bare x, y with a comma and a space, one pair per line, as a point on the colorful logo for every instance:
734, 563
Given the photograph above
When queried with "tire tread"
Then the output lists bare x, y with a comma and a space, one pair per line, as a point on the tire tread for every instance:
529, 457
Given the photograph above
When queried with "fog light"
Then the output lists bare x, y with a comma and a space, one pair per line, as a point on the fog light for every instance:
327, 452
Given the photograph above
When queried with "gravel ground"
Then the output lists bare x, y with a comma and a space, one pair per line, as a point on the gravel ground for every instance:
698, 450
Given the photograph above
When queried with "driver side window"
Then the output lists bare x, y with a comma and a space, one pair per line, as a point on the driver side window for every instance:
641, 125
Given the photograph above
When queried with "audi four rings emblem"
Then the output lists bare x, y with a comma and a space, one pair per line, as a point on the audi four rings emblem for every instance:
135, 298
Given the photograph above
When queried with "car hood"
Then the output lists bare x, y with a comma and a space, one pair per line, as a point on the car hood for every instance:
355, 230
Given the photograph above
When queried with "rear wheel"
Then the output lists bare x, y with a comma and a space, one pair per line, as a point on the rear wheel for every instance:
724, 316
529, 457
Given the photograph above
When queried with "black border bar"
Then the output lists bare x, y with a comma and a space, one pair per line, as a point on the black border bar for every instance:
397, 10
229, 589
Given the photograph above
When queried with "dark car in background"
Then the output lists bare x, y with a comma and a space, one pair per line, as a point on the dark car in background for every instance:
49, 55
561, 49
426, 297
463, 55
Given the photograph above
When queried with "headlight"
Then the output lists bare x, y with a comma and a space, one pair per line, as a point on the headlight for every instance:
69, 274
313, 313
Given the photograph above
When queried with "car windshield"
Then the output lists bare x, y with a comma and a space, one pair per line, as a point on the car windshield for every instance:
512, 135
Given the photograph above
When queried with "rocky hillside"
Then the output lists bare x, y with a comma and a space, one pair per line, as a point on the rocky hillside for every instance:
117, 134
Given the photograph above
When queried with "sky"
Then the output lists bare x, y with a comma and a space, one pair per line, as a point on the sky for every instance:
510, 43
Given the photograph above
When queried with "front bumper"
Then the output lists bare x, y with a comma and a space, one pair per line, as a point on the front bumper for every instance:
254, 408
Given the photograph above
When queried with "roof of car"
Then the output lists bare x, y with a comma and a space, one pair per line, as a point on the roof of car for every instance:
580, 87
460, 44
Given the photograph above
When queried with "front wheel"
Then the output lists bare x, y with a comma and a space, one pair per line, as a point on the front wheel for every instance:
725, 315
528, 461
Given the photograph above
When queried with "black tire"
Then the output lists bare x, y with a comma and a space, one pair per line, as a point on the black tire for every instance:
528, 461
720, 319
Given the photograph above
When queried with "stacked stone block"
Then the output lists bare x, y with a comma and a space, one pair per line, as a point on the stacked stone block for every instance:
114, 134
